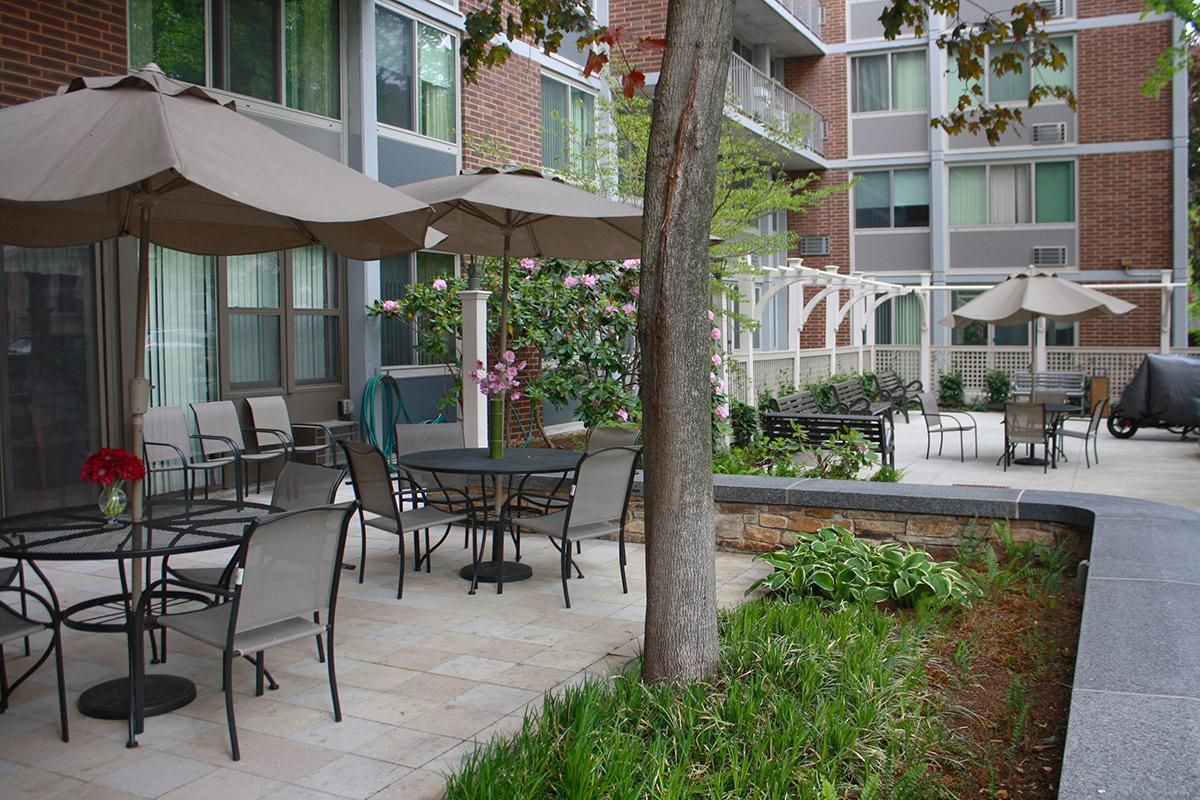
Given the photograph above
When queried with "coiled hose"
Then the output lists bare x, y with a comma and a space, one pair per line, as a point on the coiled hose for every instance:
380, 428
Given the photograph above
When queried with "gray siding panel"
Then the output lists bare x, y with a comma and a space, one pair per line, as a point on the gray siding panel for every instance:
401, 162
898, 250
323, 140
1022, 135
1006, 249
893, 133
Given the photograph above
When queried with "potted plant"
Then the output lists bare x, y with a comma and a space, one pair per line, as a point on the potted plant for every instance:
999, 384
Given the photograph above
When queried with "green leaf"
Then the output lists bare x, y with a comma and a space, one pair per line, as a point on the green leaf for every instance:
823, 580
939, 584
901, 587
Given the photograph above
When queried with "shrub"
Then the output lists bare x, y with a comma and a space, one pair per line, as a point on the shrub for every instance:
841, 457
998, 386
838, 568
888, 474
951, 393
744, 419
762, 455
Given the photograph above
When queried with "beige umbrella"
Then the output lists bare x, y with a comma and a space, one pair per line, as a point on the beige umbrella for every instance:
108, 155
518, 212
1031, 294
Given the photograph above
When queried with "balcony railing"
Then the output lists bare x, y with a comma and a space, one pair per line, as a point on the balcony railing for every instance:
762, 99
811, 13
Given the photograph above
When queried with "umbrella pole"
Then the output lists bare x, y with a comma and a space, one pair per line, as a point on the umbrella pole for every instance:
139, 389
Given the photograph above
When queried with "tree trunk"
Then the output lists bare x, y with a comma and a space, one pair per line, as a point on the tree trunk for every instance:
674, 333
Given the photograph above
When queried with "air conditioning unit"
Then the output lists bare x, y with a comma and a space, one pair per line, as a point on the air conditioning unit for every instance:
1050, 256
814, 245
1049, 132
1055, 7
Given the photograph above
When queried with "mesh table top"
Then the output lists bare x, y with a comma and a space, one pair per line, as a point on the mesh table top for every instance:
475, 461
170, 527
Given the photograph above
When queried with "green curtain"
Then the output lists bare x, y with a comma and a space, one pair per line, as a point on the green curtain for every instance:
556, 115
1054, 189
435, 71
910, 80
908, 319
1010, 85
872, 201
313, 278
871, 83
968, 196
311, 73
1064, 77
253, 280
583, 129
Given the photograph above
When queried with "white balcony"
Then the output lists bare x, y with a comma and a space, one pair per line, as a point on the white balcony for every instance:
769, 110
791, 28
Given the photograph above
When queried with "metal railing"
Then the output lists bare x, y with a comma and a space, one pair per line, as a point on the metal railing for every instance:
810, 13
757, 96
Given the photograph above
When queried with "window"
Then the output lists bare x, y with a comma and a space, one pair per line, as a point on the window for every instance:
1015, 86
895, 82
898, 321
398, 338
281, 51
270, 293
892, 199
415, 76
568, 127
1013, 194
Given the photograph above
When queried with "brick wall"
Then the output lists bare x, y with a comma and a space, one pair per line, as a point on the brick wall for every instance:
1138, 328
1125, 210
830, 219
822, 82
640, 19
45, 43
1111, 64
1102, 8
502, 115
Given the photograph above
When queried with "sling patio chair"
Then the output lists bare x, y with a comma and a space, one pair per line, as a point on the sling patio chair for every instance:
17, 623
270, 414
1025, 423
413, 437
221, 436
287, 572
943, 422
1092, 433
373, 488
168, 448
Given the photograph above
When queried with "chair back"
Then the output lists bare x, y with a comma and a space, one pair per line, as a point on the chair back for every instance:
371, 478
289, 566
1097, 415
301, 486
929, 409
602, 438
413, 437
603, 479
166, 424
269, 412
218, 418
1025, 422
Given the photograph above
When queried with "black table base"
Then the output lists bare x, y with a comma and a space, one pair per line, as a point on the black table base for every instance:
110, 700
489, 572
1029, 461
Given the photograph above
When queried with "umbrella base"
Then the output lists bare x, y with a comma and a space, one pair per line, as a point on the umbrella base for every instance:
164, 693
1030, 461
489, 571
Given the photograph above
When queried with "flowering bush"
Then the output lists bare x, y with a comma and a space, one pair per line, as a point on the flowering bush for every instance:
501, 379
389, 309
109, 465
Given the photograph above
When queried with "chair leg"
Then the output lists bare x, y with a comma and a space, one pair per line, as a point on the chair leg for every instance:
362, 558
333, 690
565, 570
320, 644
3, 683
62, 683
1095, 448
227, 677
477, 545
258, 674
928, 442
962, 447
621, 549
399, 582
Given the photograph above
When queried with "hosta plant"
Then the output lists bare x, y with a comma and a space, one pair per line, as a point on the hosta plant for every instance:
838, 568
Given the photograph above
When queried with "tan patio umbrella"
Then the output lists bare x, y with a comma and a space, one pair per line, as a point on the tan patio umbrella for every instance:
1031, 294
519, 212
109, 156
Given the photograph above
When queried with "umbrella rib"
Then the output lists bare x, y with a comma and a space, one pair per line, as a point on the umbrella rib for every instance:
616, 228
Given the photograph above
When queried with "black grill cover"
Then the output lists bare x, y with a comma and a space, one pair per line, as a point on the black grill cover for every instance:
1165, 389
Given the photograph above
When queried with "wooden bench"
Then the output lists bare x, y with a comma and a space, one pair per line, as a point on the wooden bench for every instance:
819, 428
802, 402
852, 398
1069, 383
900, 394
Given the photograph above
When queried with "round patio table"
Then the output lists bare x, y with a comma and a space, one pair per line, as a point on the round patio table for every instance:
1056, 415
171, 527
475, 461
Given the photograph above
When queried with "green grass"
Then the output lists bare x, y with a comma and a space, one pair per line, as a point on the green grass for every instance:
809, 705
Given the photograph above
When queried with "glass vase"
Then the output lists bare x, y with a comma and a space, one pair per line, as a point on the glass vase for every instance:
496, 427
112, 501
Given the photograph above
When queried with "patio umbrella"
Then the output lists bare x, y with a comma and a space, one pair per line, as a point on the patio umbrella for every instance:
1031, 294
147, 156
521, 213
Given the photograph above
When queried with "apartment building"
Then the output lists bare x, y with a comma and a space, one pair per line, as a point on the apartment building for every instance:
1097, 193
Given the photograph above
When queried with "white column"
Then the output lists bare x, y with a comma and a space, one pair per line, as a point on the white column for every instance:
1164, 338
926, 358
831, 315
474, 348
1040, 363
747, 308
870, 331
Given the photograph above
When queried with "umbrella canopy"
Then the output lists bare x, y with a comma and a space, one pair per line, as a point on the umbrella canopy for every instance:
1031, 294
74, 169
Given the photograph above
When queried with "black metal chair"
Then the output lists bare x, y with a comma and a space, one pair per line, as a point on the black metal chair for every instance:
1025, 423
168, 442
598, 501
16, 623
943, 422
270, 415
287, 573
414, 437
221, 437
373, 487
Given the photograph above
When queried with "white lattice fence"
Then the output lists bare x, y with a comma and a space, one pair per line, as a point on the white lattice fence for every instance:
847, 362
772, 371
814, 366
904, 359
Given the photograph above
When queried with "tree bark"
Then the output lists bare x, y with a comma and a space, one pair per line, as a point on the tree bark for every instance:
676, 343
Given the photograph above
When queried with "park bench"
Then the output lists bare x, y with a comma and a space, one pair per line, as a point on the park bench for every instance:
852, 398
802, 402
1071, 384
818, 428
900, 394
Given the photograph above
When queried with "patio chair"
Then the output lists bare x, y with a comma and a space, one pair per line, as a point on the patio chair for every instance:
168, 448
270, 414
221, 436
373, 488
1025, 423
17, 623
597, 505
413, 437
1092, 433
943, 422
17, 573
287, 571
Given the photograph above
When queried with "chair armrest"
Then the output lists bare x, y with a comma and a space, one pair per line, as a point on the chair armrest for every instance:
916, 387
330, 440
285, 439
861, 405
178, 452
52, 610
233, 448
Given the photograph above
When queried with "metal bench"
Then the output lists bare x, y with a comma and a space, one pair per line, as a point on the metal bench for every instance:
1069, 383
852, 398
802, 402
819, 428
901, 395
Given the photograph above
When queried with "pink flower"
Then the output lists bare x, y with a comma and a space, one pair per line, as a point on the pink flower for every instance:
711, 315
721, 386
610, 309
391, 306
623, 414
528, 264
439, 285
570, 281
712, 377
636, 291
589, 281
716, 359
515, 396
631, 264
629, 308
716, 334
722, 411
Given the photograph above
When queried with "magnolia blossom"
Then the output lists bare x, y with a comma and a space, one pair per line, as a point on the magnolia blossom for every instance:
716, 334
589, 281
570, 281
721, 386
631, 264
439, 285
712, 377
716, 359
528, 264
623, 414
722, 411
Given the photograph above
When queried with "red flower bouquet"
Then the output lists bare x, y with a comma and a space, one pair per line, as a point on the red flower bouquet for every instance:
110, 467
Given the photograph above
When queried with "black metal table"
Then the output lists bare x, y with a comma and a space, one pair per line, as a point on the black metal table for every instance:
79, 534
1056, 415
475, 461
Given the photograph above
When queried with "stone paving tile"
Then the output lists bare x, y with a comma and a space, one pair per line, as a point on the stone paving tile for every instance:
454, 720
226, 784
473, 668
155, 775
354, 777
502, 699
347, 736
267, 756
417, 785
407, 747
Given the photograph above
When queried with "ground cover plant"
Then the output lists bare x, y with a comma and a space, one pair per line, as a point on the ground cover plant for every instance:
820, 700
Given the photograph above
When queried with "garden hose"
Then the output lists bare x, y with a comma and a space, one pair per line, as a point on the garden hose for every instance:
391, 406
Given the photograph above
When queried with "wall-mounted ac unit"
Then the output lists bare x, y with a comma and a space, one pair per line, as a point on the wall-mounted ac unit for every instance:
1055, 7
814, 245
1049, 132
1050, 256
